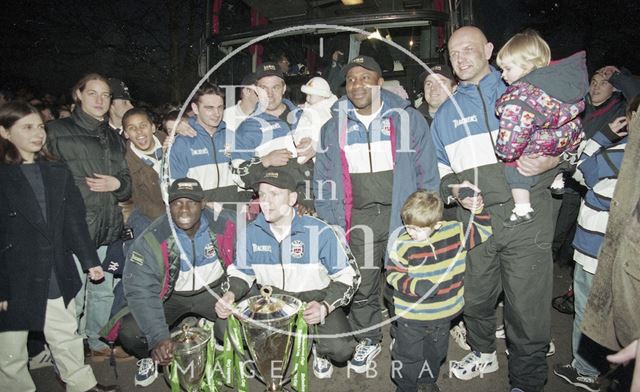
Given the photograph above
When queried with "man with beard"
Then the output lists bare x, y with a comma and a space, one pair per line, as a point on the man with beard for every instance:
95, 156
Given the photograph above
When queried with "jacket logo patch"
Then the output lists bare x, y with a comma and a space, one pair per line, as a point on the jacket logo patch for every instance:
136, 258
465, 120
386, 127
261, 248
297, 249
199, 151
270, 127
209, 251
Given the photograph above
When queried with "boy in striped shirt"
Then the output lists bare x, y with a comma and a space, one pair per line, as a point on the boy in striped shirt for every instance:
426, 271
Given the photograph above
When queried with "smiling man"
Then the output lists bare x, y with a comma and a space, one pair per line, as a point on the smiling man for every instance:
144, 157
301, 256
205, 156
515, 261
437, 85
167, 277
375, 151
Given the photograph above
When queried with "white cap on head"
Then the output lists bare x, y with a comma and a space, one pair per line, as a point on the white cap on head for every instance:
317, 86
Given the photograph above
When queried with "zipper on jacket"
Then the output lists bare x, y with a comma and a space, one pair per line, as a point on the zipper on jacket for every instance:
193, 264
215, 160
281, 263
486, 119
369, 144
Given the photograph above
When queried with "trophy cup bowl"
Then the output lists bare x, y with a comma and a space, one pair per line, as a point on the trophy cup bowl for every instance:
267, 321
190, 355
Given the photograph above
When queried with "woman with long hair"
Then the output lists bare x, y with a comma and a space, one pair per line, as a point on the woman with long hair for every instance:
42, 223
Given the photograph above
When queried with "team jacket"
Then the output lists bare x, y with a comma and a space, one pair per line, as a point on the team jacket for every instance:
464, 131
398, 141
312, 263
206, 158
598, 168
261, 127
157, 267
539, 112
427, 276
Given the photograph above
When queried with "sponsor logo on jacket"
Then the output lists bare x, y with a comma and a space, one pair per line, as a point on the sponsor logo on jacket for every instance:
199, 151
261, 248
465, 120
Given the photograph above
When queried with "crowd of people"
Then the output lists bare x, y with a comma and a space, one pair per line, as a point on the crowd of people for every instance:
439, 212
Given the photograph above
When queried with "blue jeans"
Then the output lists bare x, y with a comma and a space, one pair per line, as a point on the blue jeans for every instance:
95, 300
582, 281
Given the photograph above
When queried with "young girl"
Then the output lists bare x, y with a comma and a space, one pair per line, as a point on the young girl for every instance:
42, 222
538, 112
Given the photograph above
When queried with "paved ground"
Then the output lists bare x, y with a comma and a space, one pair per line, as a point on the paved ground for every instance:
380, 380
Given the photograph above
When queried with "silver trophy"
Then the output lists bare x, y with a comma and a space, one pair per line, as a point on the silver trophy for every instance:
267, 321
190, 355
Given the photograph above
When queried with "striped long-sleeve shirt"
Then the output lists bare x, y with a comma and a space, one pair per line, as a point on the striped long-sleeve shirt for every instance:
427, 276
598, 167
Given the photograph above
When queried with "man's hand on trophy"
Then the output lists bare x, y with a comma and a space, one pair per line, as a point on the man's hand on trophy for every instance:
314, 313
162, 353
224, 305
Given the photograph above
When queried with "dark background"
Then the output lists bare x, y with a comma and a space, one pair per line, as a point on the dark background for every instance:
157, 46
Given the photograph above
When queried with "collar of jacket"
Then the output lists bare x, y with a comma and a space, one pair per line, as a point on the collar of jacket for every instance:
389, 101
296, 224
488, 83
84, 120
184, 238
193, 122
270, 117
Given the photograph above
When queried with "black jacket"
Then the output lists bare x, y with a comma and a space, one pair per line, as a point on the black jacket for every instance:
88, 147
30, 247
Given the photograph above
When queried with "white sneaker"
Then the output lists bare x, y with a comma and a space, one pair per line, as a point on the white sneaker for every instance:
366, 351
459, 335
147, 372
322, 368
43, 359
473, 365
550, 351
500, 334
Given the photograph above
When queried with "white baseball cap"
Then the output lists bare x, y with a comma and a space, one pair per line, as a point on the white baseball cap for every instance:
317, 86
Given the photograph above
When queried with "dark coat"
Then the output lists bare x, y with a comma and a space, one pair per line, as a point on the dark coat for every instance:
88, 146
29, 246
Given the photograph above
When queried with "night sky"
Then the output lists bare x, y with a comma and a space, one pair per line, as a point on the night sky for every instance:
47, 46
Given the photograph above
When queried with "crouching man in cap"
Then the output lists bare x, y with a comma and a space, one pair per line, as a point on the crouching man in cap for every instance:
301, 256
167, 277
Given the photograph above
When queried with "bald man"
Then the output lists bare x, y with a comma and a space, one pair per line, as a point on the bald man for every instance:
515, 260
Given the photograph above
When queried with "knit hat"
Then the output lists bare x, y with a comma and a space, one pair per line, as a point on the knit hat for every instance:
317, 86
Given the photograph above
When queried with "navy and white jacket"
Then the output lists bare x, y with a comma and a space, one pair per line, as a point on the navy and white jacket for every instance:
206, 158
262, 127
398, 140
598, 168
312, 263
464, 131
